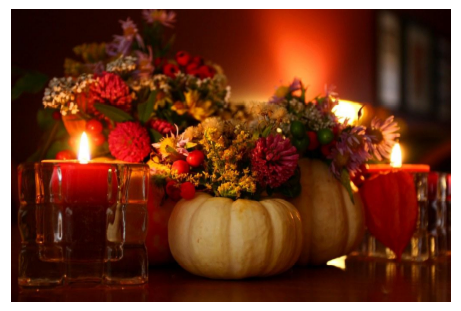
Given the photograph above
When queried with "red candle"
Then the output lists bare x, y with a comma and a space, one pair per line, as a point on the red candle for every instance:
76, 183
396, 165
384, 168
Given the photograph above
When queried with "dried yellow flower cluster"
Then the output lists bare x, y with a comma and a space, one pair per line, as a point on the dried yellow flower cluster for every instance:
226, 146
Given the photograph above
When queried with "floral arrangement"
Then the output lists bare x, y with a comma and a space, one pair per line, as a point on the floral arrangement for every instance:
129, 92
316, 131
227, 159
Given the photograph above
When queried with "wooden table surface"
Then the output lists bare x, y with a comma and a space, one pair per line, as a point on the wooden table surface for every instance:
352, 280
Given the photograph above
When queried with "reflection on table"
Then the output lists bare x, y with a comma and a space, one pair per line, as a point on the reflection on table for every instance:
351, 279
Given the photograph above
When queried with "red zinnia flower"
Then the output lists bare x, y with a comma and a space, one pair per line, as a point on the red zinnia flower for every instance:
108, 88
274, 159
162, 126
129, 142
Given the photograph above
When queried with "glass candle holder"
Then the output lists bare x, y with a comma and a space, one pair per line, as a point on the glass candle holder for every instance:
89, 219
417, 249
439, 214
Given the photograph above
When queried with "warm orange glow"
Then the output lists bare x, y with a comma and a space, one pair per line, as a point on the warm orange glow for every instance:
84, 149
396, 156
347, 110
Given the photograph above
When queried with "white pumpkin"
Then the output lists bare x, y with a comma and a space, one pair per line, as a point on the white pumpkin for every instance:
332, 225
224, 239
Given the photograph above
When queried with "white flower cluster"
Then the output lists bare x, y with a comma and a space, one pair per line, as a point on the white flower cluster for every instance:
61, 93
122, 65
310, 113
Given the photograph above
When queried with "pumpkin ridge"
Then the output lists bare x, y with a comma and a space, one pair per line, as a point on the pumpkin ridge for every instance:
194, 215
271, 265
345, 210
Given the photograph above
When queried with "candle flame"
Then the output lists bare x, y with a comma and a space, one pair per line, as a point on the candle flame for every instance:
346, 109
84, 150
396, 156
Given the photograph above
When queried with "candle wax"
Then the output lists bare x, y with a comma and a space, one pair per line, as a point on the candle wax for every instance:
410, 168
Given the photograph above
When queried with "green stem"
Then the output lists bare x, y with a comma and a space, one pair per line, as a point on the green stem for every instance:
49, 140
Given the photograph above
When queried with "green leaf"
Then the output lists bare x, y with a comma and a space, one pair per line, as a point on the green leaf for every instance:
30, 82
168, 45
113, 113
155, 136
267, 131
346, 182
145, 109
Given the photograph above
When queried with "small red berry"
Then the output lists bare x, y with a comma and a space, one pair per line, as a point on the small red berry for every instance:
56, 115
173, 190
170, 70
65, 155
314, 142
187, 190
182, 58
98, 139
93, 127
197, 60
326, 149
336, 130
181, 166
195, 158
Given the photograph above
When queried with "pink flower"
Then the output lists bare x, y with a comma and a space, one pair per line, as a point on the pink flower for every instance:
122, 44
162, 126
274, 159
145, 66
129, 142
383, 135
296, 85
351, 151
108, 88
163, 17
176, 142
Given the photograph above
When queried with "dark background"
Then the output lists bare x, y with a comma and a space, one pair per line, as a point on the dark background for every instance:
258, 49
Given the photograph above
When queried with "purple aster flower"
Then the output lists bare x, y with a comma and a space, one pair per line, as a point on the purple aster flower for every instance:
122, 44
296, 85
163, 17
331, 99
276, 100
383, 135
351, 150
145, 67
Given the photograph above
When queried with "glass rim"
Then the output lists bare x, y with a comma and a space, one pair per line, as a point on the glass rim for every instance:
52, 164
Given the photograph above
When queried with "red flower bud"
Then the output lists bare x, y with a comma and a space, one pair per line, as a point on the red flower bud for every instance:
191, 69
170, 70
182, 58
198, 61
206, 72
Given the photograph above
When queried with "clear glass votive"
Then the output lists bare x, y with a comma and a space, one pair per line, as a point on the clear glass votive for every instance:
439, 214
33, 272
87, 218
417, 249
